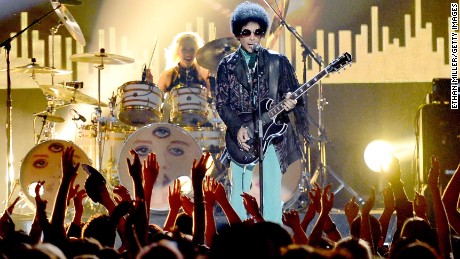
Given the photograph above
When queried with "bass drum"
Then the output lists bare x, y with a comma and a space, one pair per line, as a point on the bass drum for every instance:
175, 150
290, 181
43, 163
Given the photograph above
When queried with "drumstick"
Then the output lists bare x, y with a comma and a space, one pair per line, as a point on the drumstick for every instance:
151, 57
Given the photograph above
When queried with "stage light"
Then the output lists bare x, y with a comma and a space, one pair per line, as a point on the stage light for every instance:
185, 184
31, 189
378, 154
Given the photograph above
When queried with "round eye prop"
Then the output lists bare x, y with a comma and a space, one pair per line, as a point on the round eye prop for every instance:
94, 184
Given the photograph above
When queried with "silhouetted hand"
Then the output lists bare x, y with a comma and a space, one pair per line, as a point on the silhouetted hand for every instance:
39, 203
433, 175
175, 196
187, 205
209, 187
388, 199
135, 169
315, 197
121, 194
351, 210
69, 170
369, 204
251, 206
419, 205
393, 172
150, 172
95, 184
291, 219
327, 200
199, 171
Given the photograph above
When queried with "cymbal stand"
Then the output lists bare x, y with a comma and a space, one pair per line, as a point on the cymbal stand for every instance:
53, 31
99, 115
9, 131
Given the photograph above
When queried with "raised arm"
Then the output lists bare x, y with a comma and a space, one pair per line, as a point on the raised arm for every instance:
150, 172
327, 201
440, 214
450, 199
389, 208
365, 228
175, 204
221, 198
69, 172
251, 206
209, 186
291, 219
198, 172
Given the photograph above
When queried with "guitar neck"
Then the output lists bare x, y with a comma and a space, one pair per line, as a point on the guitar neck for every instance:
278, 108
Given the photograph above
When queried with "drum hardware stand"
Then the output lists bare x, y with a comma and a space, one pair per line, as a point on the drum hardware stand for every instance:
9, 143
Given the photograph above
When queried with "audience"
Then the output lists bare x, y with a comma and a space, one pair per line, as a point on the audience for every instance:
190, 229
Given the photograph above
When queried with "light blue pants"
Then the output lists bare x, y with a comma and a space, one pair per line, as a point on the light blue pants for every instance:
241, 182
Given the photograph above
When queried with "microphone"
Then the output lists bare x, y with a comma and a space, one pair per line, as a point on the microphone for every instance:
256, 47
80, 117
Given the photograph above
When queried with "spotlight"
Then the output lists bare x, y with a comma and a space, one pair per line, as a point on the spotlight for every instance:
378, 154
31, 189
186, 184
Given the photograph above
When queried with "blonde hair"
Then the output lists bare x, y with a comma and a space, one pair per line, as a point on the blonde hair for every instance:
172, 52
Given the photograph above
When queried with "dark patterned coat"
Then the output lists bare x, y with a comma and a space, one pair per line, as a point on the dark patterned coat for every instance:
233, 97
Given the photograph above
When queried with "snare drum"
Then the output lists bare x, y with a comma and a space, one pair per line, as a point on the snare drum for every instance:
210, 139
140, 103
175, 150
189, 105
43, 163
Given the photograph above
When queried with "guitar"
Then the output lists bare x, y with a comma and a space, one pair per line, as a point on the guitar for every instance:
270, 112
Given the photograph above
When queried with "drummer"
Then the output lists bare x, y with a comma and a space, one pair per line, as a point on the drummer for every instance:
181, 65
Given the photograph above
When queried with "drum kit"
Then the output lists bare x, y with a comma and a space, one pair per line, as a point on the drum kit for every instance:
191, 128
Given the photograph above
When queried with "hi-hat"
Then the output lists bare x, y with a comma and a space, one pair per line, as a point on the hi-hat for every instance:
101, 58
49, 117
69, 22
34, 68
213, 52
71, 95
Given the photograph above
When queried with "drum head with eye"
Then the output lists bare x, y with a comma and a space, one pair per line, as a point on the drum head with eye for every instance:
175, 150
43, 163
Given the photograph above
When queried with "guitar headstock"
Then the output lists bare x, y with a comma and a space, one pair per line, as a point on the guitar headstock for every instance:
339, 63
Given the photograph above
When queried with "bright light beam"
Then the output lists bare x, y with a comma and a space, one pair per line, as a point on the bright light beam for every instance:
378, 154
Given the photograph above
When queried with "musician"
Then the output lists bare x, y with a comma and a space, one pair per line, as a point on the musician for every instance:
181, 65
239, 77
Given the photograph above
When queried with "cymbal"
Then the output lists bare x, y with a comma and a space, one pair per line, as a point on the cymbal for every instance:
68, 94
50, 117
34, 68
69, 22
214, 51
101, 58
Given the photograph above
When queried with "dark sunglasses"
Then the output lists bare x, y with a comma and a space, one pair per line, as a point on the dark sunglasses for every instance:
247, 33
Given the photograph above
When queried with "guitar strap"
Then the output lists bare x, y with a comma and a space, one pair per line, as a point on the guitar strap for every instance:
273, 74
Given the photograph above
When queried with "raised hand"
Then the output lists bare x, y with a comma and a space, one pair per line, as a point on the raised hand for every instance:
327, 200
135, 168
315, 197
121, 194
199, 171
388, 199
251, 206
174, 199
291, 218
39, 203
367, 207
150, 173
393, 172
351, 210
187, 205
209, 187
11, 207
433, 175
420, 206
69, 170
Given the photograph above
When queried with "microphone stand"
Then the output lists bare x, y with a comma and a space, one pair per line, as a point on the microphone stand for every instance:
9, 144
260, 131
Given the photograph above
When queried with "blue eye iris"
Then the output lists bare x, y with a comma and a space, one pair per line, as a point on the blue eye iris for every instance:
161, 132
56, 147
176, 151
142, 150
40, 163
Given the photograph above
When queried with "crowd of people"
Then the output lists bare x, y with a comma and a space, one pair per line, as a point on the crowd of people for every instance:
190, 231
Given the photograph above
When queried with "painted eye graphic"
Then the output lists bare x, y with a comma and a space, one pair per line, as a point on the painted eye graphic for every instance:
161, 132
176, 151
142, 150
40, 163
56, 147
